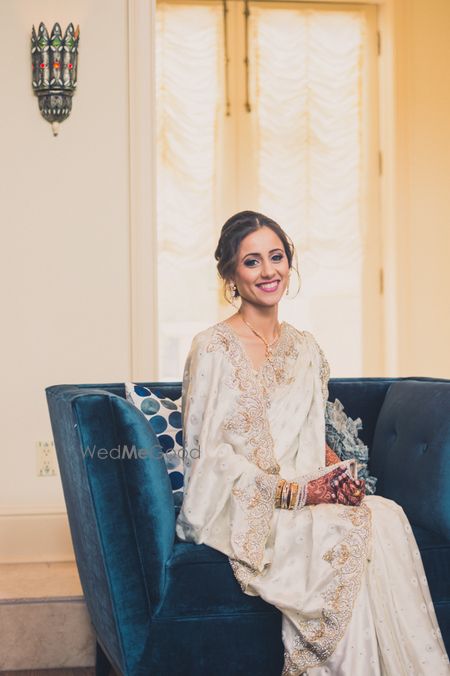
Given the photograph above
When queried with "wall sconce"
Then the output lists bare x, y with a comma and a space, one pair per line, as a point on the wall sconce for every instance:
54, 62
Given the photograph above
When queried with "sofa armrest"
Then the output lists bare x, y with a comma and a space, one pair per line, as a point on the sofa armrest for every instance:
411, 452
120, 511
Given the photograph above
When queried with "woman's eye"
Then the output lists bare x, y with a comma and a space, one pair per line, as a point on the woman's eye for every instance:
251, 261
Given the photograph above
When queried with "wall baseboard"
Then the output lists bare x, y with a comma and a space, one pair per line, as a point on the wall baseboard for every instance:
35, 536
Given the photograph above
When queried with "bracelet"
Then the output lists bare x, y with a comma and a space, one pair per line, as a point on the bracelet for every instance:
285, 495
293, 497
303, 495
278, 492
290, 494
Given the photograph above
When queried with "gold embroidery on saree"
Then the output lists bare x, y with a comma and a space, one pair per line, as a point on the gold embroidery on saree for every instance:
317, 638
258, 504
250, 421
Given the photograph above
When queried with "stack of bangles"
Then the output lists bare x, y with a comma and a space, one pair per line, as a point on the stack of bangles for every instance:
290, 494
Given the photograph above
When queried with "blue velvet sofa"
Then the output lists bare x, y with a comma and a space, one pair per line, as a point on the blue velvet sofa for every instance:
161, 607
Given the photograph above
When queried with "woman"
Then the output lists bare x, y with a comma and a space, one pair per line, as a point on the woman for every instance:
344, 569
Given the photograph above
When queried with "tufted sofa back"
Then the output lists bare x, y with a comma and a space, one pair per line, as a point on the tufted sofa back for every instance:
411, 452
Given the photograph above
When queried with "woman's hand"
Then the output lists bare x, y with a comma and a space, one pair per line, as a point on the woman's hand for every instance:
335, 487
351, 492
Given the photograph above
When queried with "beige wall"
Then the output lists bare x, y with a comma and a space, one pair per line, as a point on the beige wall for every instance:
65, 293
423, 214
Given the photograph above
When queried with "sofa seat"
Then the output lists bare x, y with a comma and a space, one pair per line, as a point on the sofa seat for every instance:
217, 592
204, 606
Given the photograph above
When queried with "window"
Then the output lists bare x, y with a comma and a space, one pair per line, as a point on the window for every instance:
305, 154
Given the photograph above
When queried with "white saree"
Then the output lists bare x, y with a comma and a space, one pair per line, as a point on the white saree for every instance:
349, 581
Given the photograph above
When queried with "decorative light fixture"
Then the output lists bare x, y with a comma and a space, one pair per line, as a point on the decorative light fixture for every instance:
54, 62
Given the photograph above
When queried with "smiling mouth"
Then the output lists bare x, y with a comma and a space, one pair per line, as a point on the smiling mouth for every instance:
269, 286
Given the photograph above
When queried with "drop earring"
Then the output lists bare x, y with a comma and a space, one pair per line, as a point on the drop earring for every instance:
234, 297
232, 288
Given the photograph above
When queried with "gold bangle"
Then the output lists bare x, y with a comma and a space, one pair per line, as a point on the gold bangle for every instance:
285, 495
293, 495
278, 492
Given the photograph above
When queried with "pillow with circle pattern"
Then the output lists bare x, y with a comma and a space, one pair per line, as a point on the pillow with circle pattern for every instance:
164, 416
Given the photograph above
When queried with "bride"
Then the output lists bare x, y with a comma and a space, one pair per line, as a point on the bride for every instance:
261, 486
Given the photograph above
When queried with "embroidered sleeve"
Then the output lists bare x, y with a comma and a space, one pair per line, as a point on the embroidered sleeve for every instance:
228, 500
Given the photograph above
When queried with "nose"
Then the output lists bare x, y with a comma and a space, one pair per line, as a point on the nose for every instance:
267, 269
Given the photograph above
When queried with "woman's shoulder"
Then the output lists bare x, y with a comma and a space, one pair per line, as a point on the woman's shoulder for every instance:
207, 337
204, 334
301, 335
306, 338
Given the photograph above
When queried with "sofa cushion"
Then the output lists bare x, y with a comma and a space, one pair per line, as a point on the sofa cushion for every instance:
411, 452
164, 416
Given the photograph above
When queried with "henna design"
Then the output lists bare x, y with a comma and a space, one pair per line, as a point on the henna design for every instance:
336, 487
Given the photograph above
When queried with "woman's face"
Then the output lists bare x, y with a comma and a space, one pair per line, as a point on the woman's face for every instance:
262, 270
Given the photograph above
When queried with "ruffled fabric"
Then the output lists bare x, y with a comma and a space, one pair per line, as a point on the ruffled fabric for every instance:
342, 436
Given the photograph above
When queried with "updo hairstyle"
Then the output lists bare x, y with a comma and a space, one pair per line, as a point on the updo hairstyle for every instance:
234, 230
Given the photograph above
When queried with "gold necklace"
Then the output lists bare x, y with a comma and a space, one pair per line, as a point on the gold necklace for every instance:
269, 352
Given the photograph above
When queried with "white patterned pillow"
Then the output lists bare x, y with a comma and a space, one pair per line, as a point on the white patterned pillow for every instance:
164, 416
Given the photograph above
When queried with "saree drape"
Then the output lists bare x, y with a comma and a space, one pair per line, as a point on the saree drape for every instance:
349, 581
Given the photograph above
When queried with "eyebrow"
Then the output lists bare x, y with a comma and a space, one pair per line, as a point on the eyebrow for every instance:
258, 254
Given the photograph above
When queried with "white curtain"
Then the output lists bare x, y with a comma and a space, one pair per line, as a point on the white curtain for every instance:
188, 80
306, 68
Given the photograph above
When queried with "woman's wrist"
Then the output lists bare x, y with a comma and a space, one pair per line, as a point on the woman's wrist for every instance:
290, 494
278, 492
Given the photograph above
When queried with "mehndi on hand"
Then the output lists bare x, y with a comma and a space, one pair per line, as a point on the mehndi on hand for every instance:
336, 487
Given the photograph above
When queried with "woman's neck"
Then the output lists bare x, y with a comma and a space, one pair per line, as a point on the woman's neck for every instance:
264, 320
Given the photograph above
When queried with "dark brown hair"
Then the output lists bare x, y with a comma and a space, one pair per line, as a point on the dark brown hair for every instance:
234, 230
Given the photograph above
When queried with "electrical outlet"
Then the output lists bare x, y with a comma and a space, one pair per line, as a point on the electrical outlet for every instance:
46, 458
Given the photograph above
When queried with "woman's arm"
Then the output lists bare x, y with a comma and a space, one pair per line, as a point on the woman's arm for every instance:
228, 500
334, 487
